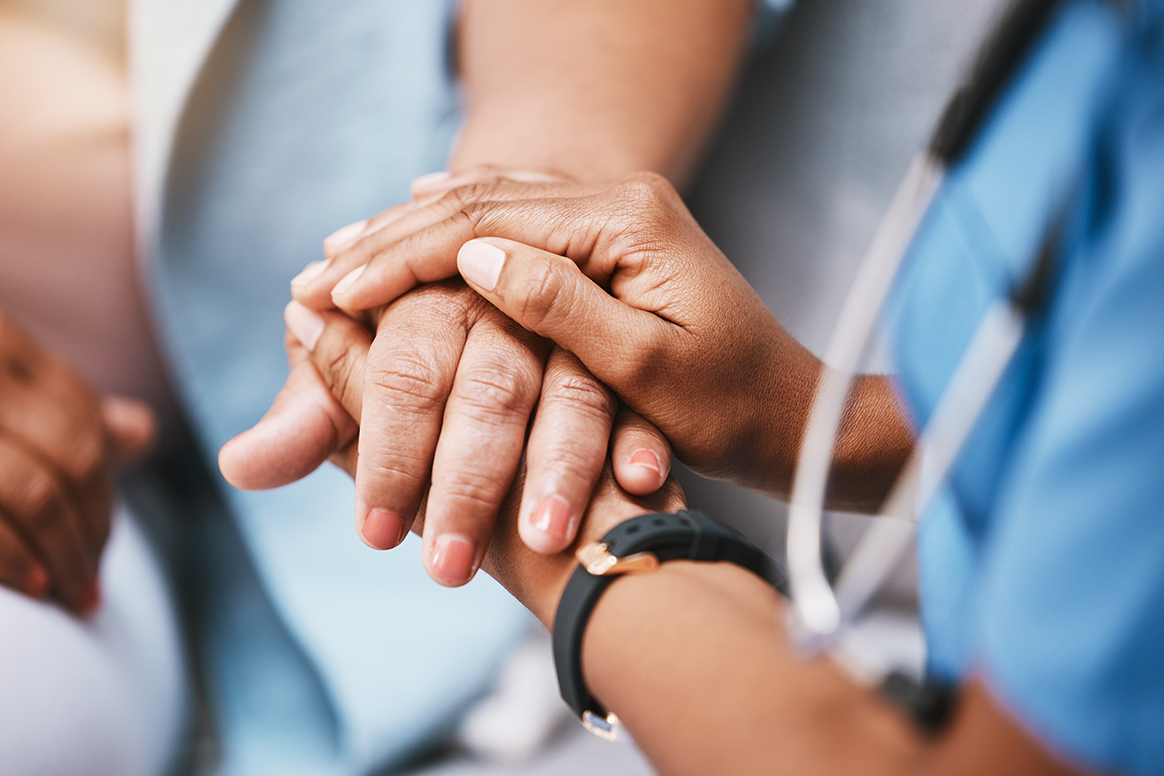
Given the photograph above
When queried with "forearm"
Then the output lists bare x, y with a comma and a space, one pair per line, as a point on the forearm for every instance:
713, 686
695, 661
596, 88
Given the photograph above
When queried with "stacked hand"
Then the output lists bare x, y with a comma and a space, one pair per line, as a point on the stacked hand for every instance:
59, 443
619, 276
446, 391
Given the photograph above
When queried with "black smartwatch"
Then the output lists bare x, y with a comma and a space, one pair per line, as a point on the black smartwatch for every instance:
638, 546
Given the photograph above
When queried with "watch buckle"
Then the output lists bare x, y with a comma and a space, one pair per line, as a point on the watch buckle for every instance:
609, 727
598, 561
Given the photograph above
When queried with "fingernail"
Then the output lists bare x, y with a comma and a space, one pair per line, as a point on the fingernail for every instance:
430, 180
36, 582
342, 238
309, 273
552, 516
383, 530
347, 281
480, 263
453, 560
647, 460
90, 599
305, 324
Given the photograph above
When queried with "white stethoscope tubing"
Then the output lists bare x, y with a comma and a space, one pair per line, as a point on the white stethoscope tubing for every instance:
821, 613
978, 372
813, 600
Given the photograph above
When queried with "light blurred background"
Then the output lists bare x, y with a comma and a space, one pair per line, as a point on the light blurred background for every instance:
823, 126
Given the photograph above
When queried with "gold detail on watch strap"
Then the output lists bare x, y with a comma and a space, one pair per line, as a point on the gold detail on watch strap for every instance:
598, 561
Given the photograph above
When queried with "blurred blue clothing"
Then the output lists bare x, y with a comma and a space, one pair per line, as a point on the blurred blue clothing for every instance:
326, 657
1042, 565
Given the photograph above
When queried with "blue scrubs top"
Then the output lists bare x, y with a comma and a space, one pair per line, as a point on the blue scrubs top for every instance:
1042, 564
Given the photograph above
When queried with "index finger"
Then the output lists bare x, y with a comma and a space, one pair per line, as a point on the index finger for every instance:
323, 285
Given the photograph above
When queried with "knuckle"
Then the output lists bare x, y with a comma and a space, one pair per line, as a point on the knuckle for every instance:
549, 297
406, 382
39, 500
448, 300
646, 190
477, 490
583, 395
474, 215
573, 464
497, 393
403, 469
469, 200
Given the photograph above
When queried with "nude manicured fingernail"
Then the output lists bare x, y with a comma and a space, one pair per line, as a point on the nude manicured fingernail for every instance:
383, 530
342, 238
36, 581
309, 273
647, 460
90, 599
552, 517
480, 263
347, 281
430, 180
306, 325
453, 560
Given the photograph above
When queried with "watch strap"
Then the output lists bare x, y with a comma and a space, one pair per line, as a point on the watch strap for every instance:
639, 545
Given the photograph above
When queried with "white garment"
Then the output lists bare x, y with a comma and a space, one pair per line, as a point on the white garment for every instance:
103, 696
169, 43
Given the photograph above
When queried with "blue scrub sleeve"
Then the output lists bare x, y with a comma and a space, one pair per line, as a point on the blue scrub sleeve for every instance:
1070, 629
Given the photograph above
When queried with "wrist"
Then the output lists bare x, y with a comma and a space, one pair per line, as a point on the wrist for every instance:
655, 652
642, 545
873, 442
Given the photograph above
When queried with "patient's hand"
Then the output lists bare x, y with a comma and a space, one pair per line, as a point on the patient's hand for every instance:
58, 444
448, 387
341, 349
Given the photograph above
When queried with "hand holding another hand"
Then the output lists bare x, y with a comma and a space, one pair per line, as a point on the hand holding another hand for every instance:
621, 276
447, 390
474, 437
340, 351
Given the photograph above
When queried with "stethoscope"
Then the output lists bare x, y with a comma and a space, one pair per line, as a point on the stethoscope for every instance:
820, 614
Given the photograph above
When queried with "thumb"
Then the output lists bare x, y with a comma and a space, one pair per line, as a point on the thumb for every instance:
131, 424
304, 426
549, 295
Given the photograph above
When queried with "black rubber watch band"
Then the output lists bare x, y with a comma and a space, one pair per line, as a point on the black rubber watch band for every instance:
636, 546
